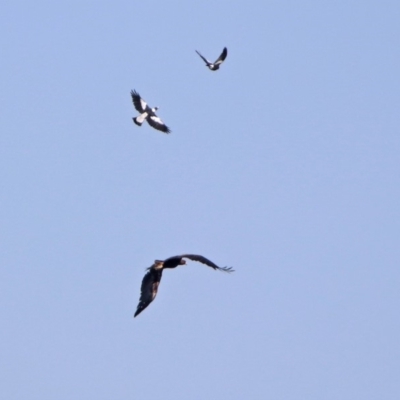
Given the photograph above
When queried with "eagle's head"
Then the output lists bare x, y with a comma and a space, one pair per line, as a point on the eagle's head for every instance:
158, 264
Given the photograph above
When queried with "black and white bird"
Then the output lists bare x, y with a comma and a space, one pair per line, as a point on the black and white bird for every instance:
147, 113
153, 275
215, 65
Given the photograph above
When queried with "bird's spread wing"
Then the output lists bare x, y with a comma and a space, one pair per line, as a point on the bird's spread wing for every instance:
149, 289
222, 57
138, 102
204, 260
204, 59
156, 123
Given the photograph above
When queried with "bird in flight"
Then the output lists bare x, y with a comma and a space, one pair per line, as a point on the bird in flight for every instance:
215, 65
153, 275
147, 113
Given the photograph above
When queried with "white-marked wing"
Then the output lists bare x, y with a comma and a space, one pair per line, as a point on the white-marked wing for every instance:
156, 123
138, 102
222, 57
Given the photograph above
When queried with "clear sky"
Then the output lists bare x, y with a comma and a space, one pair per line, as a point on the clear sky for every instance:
284, 164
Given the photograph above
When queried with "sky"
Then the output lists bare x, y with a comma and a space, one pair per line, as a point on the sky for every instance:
284, 165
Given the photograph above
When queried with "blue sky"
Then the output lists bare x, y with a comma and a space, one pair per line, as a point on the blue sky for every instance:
284, 164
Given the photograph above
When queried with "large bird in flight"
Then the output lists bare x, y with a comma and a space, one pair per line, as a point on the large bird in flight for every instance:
152, 278
215, 65
147, 113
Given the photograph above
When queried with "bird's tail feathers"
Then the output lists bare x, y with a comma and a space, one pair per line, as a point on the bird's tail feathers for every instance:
135, 120
140, 119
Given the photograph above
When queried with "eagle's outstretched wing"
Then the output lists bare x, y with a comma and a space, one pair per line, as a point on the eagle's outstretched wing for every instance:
156, 123
138, 102
203, 260
222, 57
204, 59
149, 289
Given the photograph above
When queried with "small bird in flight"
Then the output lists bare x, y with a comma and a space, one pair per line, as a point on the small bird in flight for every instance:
147, 113
215, 65
152, 278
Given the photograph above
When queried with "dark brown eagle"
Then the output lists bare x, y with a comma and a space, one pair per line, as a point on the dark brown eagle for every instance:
152, 278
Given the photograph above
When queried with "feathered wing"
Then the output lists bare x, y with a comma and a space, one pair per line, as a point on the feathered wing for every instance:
195, 257
148, 289
222, 57
156, 123
204, 59
138, 102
